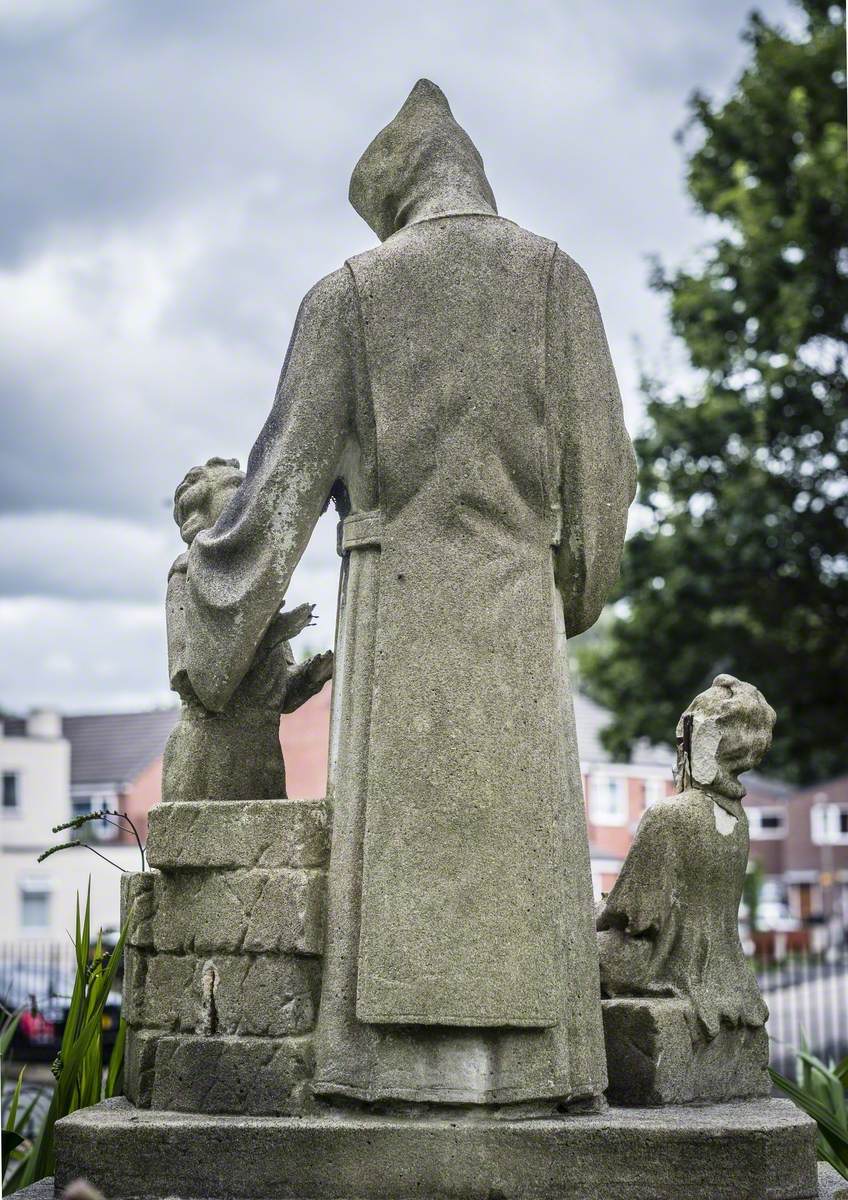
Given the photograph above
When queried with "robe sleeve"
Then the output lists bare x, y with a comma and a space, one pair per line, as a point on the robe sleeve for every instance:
597, 468
239, 570
640, 902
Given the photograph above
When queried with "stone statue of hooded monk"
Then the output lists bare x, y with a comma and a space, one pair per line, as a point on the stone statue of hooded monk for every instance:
455, 385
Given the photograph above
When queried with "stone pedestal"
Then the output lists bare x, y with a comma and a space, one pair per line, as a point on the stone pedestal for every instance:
222, 961
222, 982
656, 1055
756, 1150
831, 1187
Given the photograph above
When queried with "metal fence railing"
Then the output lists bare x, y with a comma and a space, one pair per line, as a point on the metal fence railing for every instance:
807, 993
34, 968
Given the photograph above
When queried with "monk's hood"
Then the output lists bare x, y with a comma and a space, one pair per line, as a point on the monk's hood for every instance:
421, 165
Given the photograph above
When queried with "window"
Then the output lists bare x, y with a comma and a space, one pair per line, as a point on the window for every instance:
35, 908
829, 824
80, 806
652, 791
607, 800
11, 791
766, 824
83, 803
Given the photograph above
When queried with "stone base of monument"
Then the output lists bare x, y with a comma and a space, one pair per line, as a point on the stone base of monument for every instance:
831, 1186
222, 959
754, 1149
222, 983
654, 1057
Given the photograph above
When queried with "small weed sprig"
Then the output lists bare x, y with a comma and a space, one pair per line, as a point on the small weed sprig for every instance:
122, 822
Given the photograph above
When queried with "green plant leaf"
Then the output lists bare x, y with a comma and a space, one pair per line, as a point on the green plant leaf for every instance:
823, 1117
115, 1075
79, 1081
828, 1086
11, 1140
11, 1137
7, 1032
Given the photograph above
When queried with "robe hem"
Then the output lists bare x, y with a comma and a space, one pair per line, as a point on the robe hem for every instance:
430, 1095
369, 1015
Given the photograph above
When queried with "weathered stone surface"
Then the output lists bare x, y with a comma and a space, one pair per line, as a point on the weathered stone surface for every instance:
261, 833
288, 914
669, 926
158, 990
139, 1064
831, 1184
657, 1055
235, 753
227, 911
42, 1190
137, 908
270, 995
755, 1149
485, 490
259, 1076
831, 1187
263, 995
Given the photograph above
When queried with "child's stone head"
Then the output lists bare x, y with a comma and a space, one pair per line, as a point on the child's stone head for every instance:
725, 730
203, 494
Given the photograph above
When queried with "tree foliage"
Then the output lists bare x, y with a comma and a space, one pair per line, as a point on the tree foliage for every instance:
742, 562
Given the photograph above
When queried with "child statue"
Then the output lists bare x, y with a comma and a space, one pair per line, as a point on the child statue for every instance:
234, 754
669, 925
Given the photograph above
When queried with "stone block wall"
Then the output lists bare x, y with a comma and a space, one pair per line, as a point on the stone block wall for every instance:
656, 1055
222, 960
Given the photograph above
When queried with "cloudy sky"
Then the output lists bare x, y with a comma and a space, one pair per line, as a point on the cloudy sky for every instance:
175, 178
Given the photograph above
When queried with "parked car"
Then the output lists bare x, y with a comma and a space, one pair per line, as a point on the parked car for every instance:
43, 994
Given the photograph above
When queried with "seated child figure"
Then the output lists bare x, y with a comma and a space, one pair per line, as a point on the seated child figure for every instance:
234, 754
669, 927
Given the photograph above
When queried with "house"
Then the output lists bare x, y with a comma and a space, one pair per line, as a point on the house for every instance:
55, 768
616, 794
116, 763
35, 763
801, 839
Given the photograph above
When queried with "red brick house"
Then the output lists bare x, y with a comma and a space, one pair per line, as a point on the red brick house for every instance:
799, 837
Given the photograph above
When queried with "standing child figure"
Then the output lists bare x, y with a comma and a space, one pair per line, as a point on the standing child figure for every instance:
234, 754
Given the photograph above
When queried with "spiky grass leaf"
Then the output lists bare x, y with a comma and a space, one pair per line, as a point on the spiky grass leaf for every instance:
79, 1081
12, 1137
7, 1032
115, 1074
833, 1133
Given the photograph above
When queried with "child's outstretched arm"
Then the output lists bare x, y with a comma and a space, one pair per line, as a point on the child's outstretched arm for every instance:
307, 679
290, 624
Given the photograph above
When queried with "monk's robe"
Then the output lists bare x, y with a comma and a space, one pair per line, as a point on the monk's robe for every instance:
454, 385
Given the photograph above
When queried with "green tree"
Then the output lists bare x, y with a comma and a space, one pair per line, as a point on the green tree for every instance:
742, 562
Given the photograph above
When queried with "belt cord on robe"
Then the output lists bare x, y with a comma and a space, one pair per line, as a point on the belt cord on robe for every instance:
359, 531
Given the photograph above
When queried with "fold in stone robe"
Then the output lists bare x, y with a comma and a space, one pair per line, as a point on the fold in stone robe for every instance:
457, 380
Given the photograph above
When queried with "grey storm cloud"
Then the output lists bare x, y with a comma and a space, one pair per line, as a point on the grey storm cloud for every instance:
176, 179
